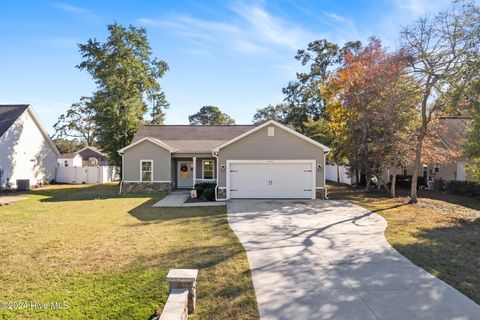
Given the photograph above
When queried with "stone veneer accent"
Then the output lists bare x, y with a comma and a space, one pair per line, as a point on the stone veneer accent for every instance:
221, 193
320, 194
146, 187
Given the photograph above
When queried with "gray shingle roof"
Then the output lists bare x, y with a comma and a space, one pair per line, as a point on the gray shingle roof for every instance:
192, 138
9, 114
92, 152
452, 130
68, 155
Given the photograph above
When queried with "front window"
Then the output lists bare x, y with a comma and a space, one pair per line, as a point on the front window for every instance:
207, 169
146, 170
436, 168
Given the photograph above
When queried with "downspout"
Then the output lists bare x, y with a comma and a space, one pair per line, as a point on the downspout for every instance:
215, 154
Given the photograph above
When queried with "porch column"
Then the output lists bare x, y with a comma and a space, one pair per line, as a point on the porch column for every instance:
194, 171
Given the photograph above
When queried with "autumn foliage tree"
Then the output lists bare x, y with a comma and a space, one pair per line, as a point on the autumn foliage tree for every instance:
369, 107
440, 48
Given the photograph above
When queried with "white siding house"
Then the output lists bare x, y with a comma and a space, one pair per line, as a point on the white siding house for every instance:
70, 160
26, 150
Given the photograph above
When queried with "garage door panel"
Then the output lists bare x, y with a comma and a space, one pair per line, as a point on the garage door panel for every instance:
271, 180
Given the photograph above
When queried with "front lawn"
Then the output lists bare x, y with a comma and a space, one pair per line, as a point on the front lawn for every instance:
107, 255
441, 233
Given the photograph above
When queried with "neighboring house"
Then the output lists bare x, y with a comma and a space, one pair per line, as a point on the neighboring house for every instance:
88, 165
86, 157
244, 161
70, 160
26, 150
452, 132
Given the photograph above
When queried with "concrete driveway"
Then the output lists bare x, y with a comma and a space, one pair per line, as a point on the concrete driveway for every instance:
330, 260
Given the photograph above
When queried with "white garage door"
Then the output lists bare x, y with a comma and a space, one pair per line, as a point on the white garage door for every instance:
276, 179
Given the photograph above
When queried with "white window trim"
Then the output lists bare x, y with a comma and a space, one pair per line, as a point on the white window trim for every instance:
203, 168
141, 170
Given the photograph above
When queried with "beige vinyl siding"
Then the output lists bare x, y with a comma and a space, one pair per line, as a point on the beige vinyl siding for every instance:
282, 146
448, 171
147, 150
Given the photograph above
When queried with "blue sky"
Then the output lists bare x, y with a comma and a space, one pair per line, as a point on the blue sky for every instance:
233, 54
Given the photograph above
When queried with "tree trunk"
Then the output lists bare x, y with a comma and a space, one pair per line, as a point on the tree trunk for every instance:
338, 173
383, 184
421, 136
366, 165
394, 181
357, 177
416, 166
368, 181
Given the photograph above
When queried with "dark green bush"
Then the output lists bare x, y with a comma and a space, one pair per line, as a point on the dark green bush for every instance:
209, 194
202, 190
465, 188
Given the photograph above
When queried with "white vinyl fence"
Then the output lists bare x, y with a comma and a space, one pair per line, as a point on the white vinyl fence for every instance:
342, 175
79, 175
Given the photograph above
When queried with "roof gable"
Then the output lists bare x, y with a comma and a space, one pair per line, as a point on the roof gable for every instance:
279, 125
8, 118
152, 140
90, 152
451, 130
71, 155
9, 114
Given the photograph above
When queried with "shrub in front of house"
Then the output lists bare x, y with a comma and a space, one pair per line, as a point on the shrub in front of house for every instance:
406, 181
465, 188
205, 190
209, 194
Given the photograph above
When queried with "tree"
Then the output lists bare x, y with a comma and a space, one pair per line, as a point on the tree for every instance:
125, 75
279, 112
304, 99
210, 115
67, 146
321, 131
471, 147
158, 109
371, 111
439, 50
78, 122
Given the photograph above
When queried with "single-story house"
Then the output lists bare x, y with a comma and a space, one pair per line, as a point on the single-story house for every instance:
26, 150
269, 160
451, 131
86, 157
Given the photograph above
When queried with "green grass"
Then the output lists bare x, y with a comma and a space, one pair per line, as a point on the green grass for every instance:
441, 233
107, 255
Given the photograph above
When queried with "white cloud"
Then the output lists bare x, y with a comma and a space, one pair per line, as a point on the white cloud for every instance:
345, 28
75, 10
335, 16
251, 30
421, 7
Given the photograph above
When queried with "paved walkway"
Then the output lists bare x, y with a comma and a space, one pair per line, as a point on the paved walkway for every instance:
7, 200
330, 260
177, 198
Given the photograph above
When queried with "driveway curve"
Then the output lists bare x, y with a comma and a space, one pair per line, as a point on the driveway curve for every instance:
330, 260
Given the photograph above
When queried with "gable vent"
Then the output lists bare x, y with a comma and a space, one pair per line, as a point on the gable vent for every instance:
271, 131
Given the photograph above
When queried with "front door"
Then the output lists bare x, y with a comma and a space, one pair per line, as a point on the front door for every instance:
185, 174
